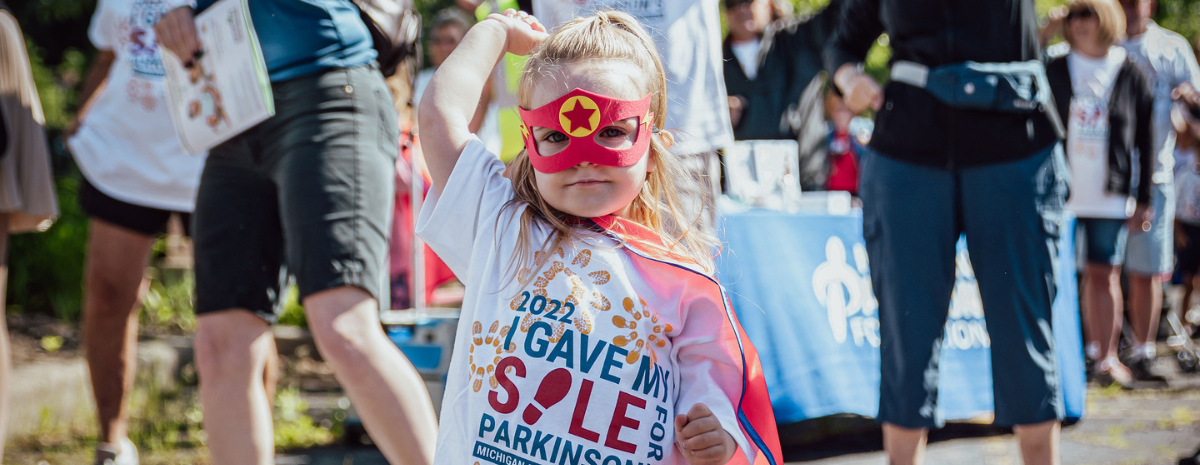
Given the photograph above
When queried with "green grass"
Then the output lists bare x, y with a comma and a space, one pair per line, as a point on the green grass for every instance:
167, 427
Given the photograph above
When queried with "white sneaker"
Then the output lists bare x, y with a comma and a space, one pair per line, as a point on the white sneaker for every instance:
106, 454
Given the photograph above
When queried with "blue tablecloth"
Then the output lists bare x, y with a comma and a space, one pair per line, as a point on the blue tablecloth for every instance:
801, 286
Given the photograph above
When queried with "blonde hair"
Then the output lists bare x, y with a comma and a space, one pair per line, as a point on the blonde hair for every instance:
608, 35
1108, 14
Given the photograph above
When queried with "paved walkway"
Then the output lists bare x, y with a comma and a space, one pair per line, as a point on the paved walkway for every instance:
1154, 426
1146, 427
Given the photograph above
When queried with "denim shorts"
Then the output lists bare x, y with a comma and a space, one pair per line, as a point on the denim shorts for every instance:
1152, 252
1104, 239
308, 192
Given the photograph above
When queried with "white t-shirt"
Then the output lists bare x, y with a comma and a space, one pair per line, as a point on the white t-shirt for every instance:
688, 35
489, 130
598, 353
1168, 61
747, 56
127, 146
1092, 80
1187, 193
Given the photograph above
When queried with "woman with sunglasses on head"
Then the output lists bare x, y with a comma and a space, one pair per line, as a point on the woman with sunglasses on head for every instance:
1106, 103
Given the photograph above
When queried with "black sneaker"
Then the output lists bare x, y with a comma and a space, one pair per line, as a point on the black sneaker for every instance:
1143, 370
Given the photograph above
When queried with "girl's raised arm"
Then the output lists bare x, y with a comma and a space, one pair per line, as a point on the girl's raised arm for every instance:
451, 98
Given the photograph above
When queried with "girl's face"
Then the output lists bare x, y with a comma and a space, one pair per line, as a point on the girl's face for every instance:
588, 190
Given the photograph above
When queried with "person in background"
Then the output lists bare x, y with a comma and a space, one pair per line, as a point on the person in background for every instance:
745, 55
771, 57
774, 81
137, 175
449, 27
935, 170
27, 199
1185, 118
1106, 103
312, 188
845, 147
1167, 60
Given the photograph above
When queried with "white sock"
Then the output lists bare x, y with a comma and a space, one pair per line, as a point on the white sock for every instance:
1148, 350
1092, 350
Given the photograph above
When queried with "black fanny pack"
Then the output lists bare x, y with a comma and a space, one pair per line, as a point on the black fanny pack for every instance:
1018, 87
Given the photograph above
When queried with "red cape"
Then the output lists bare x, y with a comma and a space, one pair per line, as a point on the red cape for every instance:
749, 396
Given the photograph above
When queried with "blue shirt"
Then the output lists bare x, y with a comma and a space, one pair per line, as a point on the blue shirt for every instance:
301, 37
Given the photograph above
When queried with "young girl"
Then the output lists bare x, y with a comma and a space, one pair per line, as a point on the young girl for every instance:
592, 331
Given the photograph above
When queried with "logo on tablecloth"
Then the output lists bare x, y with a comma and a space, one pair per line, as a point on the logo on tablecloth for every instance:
845, 292
965, 327
842, 284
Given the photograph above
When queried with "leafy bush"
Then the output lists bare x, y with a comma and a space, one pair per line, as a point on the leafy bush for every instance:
46, 269
168, 304
294, 429
293, 312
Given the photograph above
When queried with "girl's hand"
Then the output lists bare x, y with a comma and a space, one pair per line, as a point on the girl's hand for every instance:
701, 439
524, 32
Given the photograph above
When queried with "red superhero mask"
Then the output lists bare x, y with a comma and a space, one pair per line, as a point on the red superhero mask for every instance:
579, 115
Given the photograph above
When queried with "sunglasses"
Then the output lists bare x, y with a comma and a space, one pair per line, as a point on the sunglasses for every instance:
1081, 13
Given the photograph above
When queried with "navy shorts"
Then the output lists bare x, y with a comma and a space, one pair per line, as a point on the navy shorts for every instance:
1011, 214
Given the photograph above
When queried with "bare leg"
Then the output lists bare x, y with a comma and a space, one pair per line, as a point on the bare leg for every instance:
1039, 442
1189, 287
5, 353
1086, 319
384, 386
271, 371
1104, 306
1145, 307
231, 357
112, 285
904, 446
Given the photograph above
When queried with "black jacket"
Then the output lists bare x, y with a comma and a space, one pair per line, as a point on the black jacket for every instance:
789, 59
1130, 137
914, 127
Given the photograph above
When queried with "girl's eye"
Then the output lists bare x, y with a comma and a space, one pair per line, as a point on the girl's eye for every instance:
612, 132
555, 136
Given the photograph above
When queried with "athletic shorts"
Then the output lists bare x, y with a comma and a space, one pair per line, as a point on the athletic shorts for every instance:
146, 221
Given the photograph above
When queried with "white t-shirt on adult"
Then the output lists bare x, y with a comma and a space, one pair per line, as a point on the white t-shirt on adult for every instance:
1167, 61
688, 35
1092, 80
127, 146
489, 130
747, 56
619, 351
